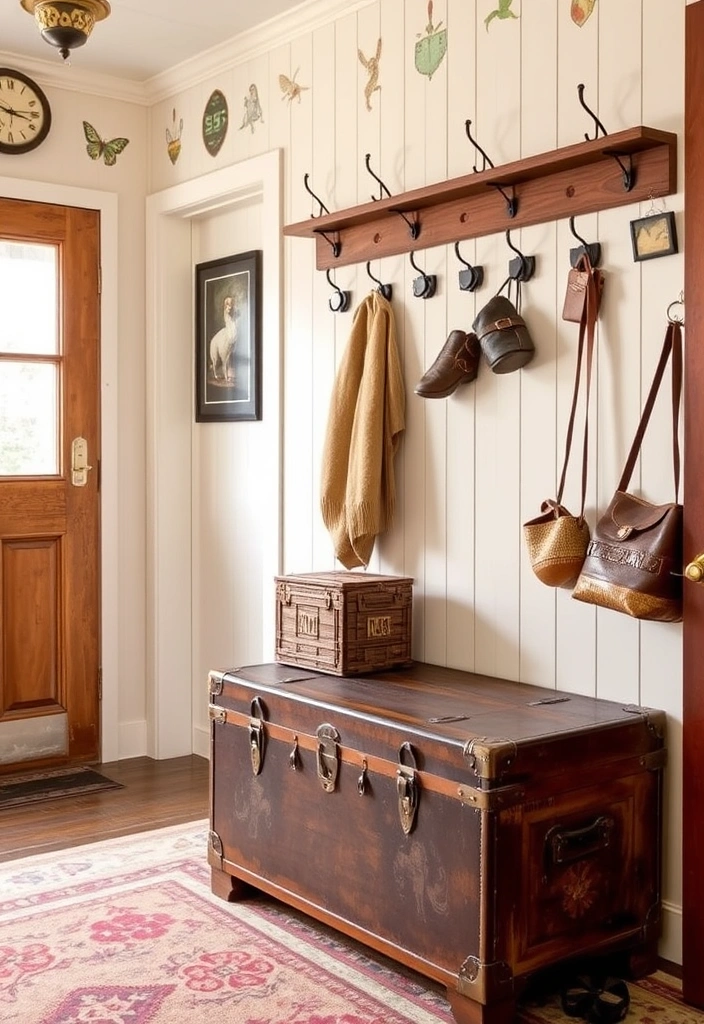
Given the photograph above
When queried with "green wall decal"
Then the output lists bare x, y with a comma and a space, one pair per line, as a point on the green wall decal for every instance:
502, 12
432, 47
98, 147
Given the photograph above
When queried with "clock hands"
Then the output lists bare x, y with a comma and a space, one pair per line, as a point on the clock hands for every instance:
14, 113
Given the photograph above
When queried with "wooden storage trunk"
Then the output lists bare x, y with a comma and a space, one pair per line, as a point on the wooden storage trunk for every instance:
474, 829
343, 622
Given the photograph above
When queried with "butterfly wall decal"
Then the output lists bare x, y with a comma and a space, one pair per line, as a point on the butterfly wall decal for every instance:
97, 147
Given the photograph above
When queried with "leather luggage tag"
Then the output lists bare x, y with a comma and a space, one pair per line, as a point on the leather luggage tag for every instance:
576, 293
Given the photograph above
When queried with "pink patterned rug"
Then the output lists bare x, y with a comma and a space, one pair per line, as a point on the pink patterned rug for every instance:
127, 932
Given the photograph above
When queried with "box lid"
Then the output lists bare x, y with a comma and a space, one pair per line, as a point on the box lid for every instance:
495, 727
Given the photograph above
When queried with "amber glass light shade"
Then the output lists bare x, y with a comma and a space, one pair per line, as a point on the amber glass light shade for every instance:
66, 24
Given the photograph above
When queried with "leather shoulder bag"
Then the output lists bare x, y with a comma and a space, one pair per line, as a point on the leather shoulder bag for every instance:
556, 540
634, 560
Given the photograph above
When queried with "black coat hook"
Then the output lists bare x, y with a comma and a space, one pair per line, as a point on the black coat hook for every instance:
340, 301
385, 289
487, 161
334, 243
471, 278
629, 176
413, 225
523, 267
591, 249
425, 285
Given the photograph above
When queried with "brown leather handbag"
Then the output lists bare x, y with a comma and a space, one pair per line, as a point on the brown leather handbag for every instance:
634, 560
502, 333
556, 540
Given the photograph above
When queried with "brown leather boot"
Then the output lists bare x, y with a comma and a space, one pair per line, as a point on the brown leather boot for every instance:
457, 363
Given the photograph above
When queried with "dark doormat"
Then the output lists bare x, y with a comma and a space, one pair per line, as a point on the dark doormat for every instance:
50, 784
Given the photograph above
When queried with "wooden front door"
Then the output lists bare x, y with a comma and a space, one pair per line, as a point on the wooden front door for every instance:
49, 505
693, 703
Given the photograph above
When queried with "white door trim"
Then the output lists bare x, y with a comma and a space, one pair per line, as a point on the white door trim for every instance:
106, 204
170, 390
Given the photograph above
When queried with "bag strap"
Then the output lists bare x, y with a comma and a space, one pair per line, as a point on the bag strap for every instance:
671, 345
587, 328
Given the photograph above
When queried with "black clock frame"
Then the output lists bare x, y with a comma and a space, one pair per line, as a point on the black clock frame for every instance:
26, 147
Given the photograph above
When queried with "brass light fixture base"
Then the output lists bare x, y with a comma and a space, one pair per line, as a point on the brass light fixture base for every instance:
66, 24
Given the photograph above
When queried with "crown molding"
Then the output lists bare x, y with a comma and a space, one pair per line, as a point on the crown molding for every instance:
59, 76
305, 18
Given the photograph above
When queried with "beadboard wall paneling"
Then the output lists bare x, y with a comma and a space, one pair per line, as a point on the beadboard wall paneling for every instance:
460, 447
540, 449
473, 467
498, 396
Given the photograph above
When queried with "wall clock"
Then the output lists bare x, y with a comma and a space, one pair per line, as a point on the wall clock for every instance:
215, 122
25, 114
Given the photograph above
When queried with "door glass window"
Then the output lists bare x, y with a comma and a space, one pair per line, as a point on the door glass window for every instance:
30, 360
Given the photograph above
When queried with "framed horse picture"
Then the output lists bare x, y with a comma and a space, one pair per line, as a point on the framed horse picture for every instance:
228, 338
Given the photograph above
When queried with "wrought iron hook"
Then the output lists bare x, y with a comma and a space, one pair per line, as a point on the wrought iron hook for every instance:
413, 225
382, 186
339, 303
597, 123
323, 208
592, 249
334, 244
425, 285
485, 158
385, 289
471, 278
629, 177
522, 268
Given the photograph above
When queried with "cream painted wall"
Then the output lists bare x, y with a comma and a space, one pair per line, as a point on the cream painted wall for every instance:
473, 467
62, 160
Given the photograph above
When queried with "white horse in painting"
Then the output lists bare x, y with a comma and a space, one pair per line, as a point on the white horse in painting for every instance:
222, 344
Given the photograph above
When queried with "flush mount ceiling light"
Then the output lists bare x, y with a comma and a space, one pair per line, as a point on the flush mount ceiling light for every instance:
66, 24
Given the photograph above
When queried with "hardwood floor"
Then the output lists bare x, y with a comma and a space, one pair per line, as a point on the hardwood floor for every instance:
155, 794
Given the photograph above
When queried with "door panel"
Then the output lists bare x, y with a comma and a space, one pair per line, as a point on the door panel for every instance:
49, 528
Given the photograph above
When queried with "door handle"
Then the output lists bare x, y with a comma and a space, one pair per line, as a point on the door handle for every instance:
695, 569
79, 462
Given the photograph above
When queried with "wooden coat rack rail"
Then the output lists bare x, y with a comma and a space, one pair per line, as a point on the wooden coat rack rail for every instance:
578, 179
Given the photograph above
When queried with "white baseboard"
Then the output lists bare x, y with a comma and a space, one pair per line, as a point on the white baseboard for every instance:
201, 742
132, 739
670, 945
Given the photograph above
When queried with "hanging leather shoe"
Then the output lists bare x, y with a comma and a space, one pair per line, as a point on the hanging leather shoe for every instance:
457, 363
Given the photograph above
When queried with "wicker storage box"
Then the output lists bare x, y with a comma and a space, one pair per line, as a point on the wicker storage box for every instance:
344, 623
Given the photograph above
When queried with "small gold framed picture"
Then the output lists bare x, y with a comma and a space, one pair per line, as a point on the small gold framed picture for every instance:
655, 235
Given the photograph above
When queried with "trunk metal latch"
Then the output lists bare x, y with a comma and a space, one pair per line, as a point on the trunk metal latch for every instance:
328, 756
407, 787
257, 736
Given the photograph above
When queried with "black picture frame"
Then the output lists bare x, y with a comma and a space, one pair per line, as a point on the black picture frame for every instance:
228, 338
654, 236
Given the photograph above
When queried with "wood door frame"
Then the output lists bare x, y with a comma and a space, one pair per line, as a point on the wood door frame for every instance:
106, 204
693, 690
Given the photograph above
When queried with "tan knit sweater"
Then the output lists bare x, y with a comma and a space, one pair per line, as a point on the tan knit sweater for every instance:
365, 422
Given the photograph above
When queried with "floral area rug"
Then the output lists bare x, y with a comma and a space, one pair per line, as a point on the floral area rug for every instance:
126, 931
